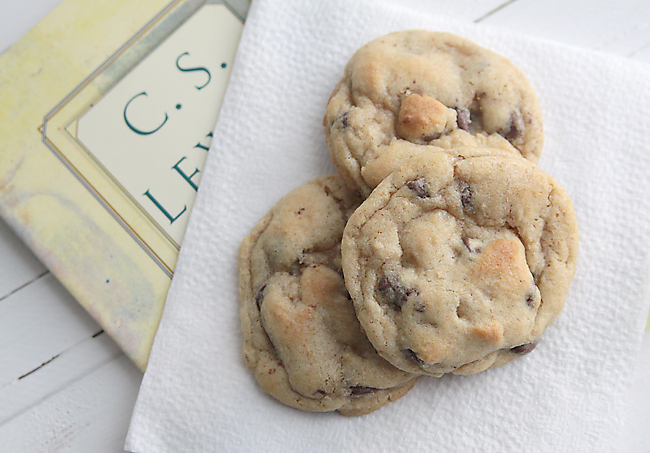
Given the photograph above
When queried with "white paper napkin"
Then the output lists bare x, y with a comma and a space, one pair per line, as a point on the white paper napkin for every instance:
197, 394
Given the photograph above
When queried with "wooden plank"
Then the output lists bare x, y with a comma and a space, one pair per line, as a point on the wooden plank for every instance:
617, 27
90, 414
470, 10
38, 323
29, 390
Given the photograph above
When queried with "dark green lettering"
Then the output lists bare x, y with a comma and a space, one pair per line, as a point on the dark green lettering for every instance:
185, 176
193, 69
131, 126
163, 210
205, 147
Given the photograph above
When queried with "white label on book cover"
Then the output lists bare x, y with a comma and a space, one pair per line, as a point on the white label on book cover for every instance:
152, 131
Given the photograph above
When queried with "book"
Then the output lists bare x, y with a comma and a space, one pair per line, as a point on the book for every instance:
108, 109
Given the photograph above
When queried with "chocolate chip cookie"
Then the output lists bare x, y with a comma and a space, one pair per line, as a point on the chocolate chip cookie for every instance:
418, 86
458, 263
302, 339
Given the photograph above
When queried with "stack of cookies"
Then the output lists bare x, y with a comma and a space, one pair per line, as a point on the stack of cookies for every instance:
438, 247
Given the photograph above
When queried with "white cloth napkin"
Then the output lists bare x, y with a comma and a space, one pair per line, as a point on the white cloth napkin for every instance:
197, 394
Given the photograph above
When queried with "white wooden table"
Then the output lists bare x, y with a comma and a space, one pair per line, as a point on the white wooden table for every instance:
66, 387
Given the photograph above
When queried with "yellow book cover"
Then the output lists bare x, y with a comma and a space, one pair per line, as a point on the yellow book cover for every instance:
107, 115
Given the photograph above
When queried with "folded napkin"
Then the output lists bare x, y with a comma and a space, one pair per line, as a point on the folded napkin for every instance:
197, 394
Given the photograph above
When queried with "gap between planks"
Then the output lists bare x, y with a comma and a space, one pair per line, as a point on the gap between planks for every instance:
495, 10
24, 285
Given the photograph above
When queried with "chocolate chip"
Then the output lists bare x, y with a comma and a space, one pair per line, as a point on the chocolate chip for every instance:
530, 300
463, 118
411, 355
512, 134
516, 126
357, 390
420, 187
260, 296
468, 246
392, 291
344, 120
466, 196
524, 348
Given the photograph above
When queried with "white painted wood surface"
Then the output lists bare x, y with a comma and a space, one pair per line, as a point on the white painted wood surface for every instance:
66, 387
